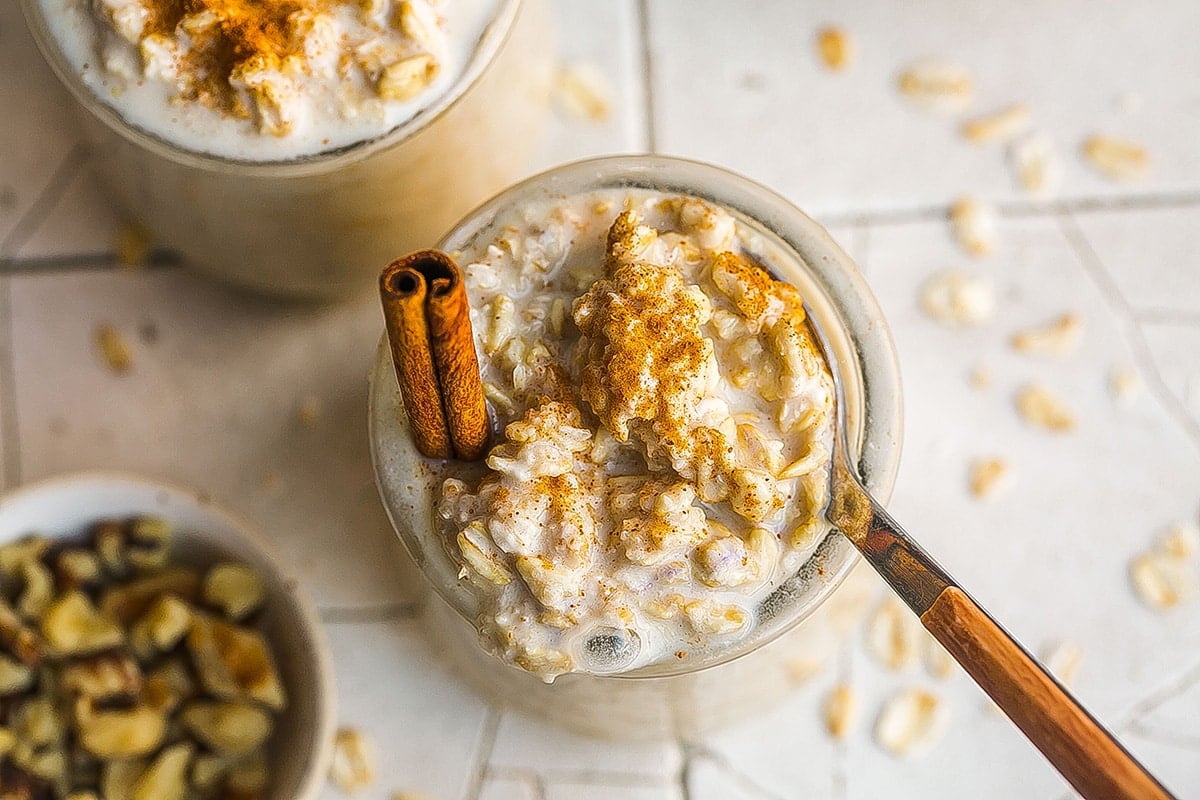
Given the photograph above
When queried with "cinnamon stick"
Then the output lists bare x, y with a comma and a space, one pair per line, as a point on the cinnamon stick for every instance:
429, 328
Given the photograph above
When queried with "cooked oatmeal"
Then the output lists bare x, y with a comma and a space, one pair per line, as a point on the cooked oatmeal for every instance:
271, 78
665, 425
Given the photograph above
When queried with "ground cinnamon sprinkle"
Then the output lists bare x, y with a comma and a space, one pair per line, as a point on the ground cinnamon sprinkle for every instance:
227, 34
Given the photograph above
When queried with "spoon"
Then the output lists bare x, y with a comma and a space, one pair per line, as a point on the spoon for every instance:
1068, 736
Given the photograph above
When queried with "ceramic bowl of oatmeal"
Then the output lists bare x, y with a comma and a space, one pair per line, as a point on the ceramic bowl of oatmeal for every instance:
189, 656
653, 503
289, 146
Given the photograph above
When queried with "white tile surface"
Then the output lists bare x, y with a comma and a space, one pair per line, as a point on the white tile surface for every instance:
1175, 764
587, 791
427, 727
604, 38
82, 221
508, 789
1077, 506
707, 780
523, 743
1173, 345
1150, 254
36, 128
761, 752
741, 86
213, 400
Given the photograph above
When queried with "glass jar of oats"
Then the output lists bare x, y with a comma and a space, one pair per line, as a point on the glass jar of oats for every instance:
643, 552
293, 146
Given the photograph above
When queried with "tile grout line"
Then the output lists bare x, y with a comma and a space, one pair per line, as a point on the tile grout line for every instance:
1165, 737
1164, 694
1184, 317
1132, 332
839, 779
531, 780
43, 204
487, 744
650, 129
856, 220
46, 201
10, 462
365, 615
722, 763
1016, 209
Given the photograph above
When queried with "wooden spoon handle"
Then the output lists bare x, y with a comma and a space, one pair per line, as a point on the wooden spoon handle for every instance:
1070, 738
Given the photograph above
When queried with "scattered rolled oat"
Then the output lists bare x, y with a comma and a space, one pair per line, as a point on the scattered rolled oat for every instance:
353, 766
133, 246
988, 477
938, 662
911, 723
1037, 164
1041, 408
1181, 541
309, 412
954, 298
1116, 159
1058, 337
584, 93
999, 126
1166, 575
980, 377
974, 224
835, 47
892, 635
1123, 383
841, 711
114, 349
1063, 662
1161, 581
802, 670
937, 85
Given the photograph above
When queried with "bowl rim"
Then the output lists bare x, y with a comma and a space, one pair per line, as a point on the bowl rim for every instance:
861, 336
313, 774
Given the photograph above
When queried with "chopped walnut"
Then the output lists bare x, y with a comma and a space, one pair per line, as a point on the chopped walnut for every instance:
101, 693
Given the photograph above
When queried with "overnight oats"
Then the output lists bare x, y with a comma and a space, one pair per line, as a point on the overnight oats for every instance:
652, 502
292, 145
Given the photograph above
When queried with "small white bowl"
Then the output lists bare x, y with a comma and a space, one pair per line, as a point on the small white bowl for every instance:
64, 507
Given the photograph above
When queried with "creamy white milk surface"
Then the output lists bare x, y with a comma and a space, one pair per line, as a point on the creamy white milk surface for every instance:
663, 419
268, 80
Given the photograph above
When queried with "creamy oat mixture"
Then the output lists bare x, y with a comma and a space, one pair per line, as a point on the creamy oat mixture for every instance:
666, 432
268, 79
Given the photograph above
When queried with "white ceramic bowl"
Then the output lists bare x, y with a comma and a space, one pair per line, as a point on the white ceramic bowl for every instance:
63, 507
